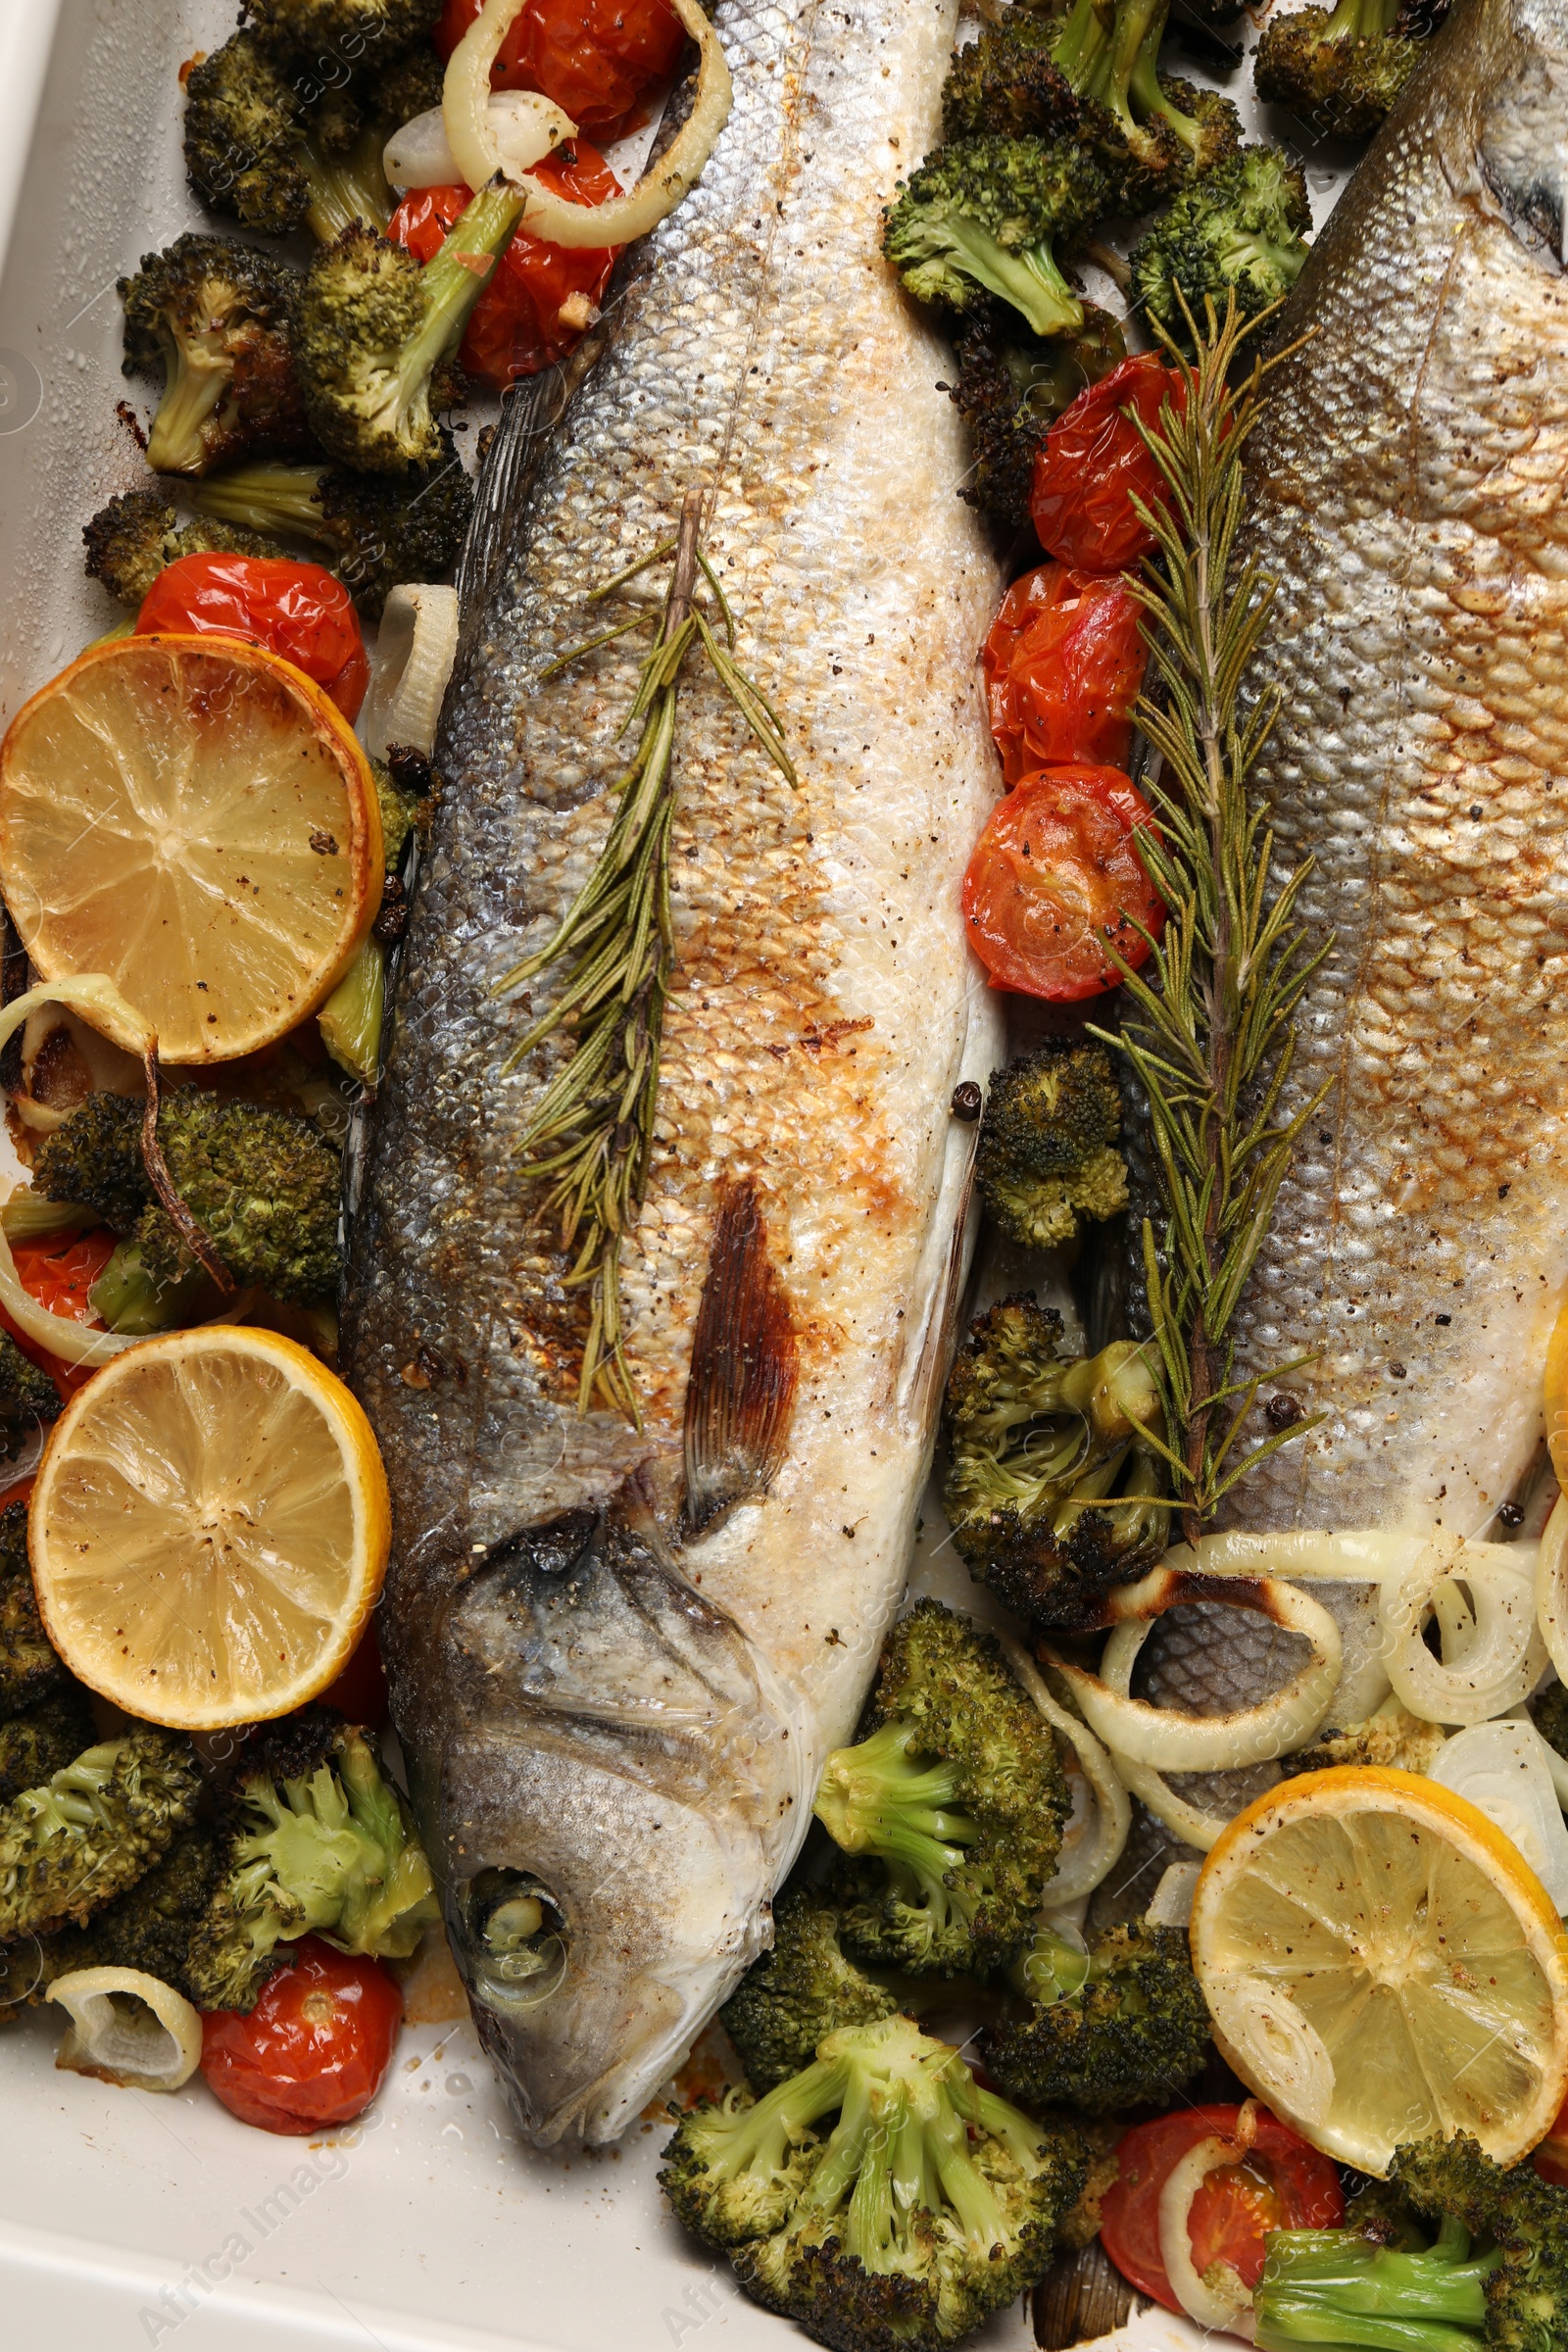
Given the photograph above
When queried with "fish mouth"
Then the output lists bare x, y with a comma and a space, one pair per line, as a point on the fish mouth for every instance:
618, 1798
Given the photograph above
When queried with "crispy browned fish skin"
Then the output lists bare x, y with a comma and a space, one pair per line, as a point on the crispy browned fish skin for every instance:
570, 1703
1409, 490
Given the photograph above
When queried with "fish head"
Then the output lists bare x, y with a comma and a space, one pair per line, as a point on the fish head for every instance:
621, 1788
1521, 144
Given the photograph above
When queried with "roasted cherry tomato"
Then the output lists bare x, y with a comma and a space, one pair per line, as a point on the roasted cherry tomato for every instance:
1063, 662
1055, 878
1280, 2184
296, 610
360, 1692
597, 58
59, 1269
1093, 461
314, 2049
516, 327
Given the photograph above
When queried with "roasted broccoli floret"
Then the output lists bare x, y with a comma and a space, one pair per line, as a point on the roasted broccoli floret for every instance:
1496, 2276
31, 1671
801, 1992
28, 1395
151, 1926
43, 1740
1007, 83
244, 136
1125, 2031
1052, 1482
950, 1811
318, 1844
306, 30
997, 215
1239, 231
1550, 1715
375, 530
1011, 387
213, 319
1047, 1156
927, 2204
1341, 68
93, 1158
1389, 1739
139, 533
79, 1839
373, 326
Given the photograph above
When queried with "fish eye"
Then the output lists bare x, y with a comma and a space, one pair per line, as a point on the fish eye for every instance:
515, 1935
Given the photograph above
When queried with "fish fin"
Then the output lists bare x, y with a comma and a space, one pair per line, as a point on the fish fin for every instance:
941, 1333
740, 1393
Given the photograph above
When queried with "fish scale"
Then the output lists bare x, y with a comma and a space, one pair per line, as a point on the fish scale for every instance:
823, 1007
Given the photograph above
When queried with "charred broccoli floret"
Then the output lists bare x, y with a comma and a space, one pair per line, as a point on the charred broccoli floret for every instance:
1240, 230
77, 1840
373, 326
1125, 2028
1549, 1714
801, 1992
316, 1844
213, 319
1052, 1480
43, 1740
1389, 1739
1496, 2277
1007, 83
950, 1811
1340, 68
996, 216
244, 136
93, 1158
28, 1395
376, 531
1047, 1156
151, 1926
1011, 387
139, 533
307, 29
927, 2204
30, 1670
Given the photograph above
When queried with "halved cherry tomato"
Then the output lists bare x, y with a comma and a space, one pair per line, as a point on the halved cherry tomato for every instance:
360, 1692
1283, 2184
313, 2051
296, 610
1094, 460
595, 57
1055, 878
515, 327
59, 1269
1063, 663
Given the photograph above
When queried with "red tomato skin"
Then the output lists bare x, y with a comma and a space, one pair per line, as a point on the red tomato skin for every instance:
595, 57
1063, 663
297, 611
360, 1692
1094, 460
313, 2051
59, 1269
1307, 2187
514, 328
1078, 822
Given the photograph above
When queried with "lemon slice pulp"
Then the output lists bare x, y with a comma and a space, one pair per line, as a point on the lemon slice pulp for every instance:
209, 1529
194, 817
1406, 1970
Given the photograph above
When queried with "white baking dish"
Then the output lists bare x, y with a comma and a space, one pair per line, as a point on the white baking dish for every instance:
127, 2220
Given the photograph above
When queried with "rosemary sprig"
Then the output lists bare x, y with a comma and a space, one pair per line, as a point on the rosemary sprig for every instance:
1210, 1032
589, 1138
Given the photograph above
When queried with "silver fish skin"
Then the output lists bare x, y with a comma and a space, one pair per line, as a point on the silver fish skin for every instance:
1409, 494
635, 1722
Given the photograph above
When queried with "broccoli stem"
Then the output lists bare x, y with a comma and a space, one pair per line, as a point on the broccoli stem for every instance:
129, 1298
266, 497
1143, 88
453, 283
194, 384
875, 1798
1080, 46
1339, 2288
1138, 23
1361, 20
764, 2135
1030, 280
342, 193
350, 1021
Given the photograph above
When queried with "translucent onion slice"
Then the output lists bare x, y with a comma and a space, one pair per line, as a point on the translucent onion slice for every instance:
1502, 1768
465, 103
1275, 2041
415, 648
1189, 1821
1360, 1556
91, 996
1082, 1866
127, 2028
1220, 2301
1551, 1586
1173, 1742
523, 129
1501, 1663
1171, 1904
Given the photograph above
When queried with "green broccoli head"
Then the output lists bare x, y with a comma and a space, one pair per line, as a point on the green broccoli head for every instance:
374, 327
31, 1671
799, 1993
1524, 2218
950, 1811
262, 1183
1011, 387
43, 1740
212, 317
1206, 125
1239, 231
1051, 1479
93, 1158
244, 136
74, 1842
376, 531
1340, 68
308, 31
27, 1396
991, 216
317, 1842
139, 533
152, 1925
1047, 1156
1127, 2032
1008, 84
926, 2205
1390, 1739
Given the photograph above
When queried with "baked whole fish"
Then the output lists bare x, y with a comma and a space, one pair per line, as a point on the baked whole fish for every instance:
617, 1657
